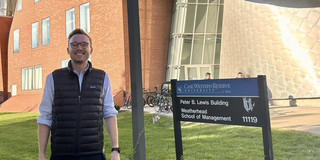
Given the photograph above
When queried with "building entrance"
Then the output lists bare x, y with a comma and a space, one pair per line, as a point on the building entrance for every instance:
197, 72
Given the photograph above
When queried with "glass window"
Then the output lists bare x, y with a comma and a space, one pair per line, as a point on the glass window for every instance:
64, 63
192, 73
70, 22
200, 18
45, 31
212, 14
85, 17
220, 19
192, 1
218, 48
3, 8
182, 73
37, 79
216, 71
209, 49
197, 50
16, 42
19, 5
186, 50
195, 39
35, 35
213, 1
190, 18
31, 77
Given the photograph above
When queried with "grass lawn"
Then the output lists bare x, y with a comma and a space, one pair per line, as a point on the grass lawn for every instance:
18, 140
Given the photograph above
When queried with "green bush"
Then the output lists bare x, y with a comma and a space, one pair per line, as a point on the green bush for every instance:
117, 107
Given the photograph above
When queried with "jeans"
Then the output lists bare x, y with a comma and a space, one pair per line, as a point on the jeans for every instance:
100, 156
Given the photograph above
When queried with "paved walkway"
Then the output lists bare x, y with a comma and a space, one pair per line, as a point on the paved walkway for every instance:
302, 118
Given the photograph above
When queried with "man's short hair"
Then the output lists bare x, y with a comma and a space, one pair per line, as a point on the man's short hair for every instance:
239, 72
79, 31
208, 73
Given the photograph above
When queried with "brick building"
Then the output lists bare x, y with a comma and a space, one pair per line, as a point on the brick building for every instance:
180, 39
38, 40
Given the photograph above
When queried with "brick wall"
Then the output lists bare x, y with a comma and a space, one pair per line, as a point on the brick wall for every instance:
109, 35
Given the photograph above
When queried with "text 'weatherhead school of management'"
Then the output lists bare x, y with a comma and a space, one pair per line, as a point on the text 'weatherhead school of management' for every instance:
201, 114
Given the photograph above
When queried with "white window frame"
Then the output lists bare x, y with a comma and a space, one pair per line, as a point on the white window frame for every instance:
19, 5
13, 90
85, 17
16, 41
31, 78
3, 8
64, 63
45, 31
35, 35
70, 21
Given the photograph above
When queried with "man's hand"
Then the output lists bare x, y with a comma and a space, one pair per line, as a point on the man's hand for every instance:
42, 156
115, 156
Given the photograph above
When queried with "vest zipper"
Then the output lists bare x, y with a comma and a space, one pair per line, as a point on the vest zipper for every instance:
79, 110
78, 118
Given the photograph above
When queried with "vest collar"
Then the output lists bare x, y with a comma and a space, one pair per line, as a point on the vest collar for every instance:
70, 69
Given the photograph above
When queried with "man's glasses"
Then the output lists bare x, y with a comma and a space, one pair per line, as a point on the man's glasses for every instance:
75, 45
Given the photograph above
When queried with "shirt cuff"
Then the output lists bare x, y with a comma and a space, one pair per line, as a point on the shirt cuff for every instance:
41, 120
110, 112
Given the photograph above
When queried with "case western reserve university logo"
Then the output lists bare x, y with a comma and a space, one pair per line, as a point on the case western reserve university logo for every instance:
248, 104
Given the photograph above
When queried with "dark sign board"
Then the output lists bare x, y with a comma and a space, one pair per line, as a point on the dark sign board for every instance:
224, 101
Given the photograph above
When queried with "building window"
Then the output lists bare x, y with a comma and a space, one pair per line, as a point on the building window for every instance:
19, 5
85, 17
195, 39
3, 8
16, 45
35, 35
45, 31
64, 63
32, 77
70, 23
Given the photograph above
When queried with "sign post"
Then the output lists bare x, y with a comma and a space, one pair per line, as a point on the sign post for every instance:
136, 81
223, 101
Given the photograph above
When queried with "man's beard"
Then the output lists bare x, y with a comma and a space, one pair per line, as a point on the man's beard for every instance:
80, 62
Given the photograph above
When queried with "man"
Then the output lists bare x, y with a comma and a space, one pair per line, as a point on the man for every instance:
75, 101
240, 75
208, 75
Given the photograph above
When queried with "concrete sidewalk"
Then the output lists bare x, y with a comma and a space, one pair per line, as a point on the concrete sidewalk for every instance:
301, 118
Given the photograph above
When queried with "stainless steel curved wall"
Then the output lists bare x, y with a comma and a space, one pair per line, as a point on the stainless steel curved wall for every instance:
278, 39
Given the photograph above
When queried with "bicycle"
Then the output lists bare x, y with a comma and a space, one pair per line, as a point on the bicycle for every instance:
151, 97
127, 100
145, 96
163, 104
163, 101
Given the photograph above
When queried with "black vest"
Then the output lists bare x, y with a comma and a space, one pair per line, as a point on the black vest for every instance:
77, 126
